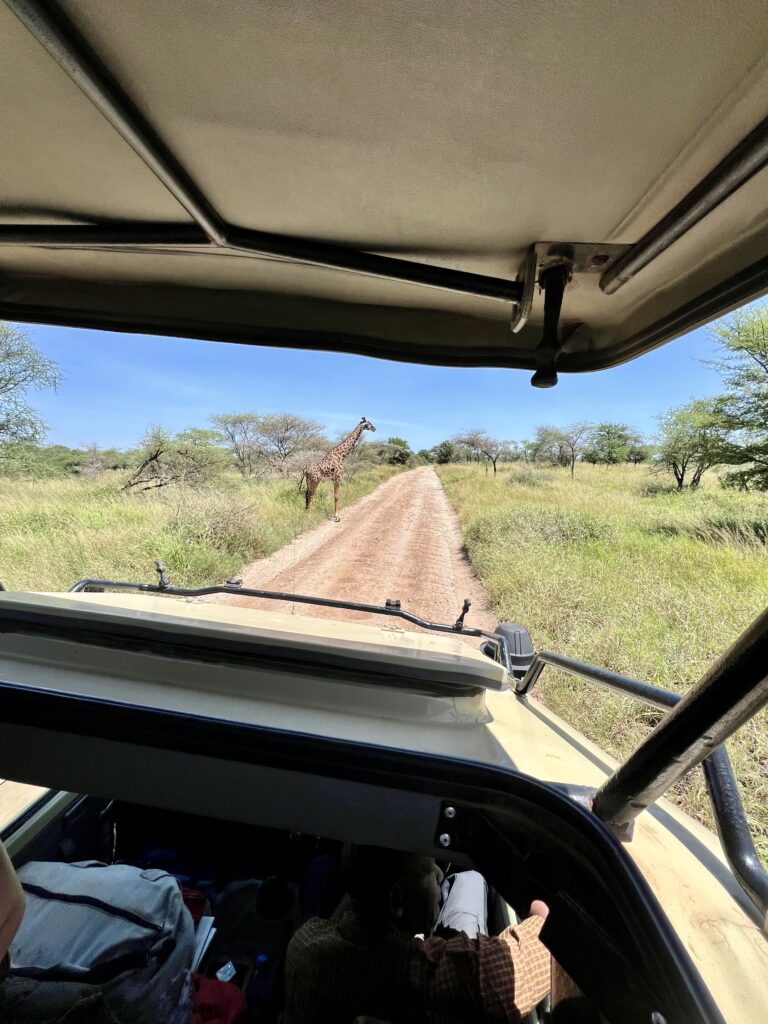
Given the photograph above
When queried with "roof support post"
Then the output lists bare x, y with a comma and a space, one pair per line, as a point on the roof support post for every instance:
729, 694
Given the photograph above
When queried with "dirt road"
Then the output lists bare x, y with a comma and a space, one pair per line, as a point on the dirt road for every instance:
402, 541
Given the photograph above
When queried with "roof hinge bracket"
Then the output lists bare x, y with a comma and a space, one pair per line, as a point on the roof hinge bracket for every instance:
522, 310
552, 265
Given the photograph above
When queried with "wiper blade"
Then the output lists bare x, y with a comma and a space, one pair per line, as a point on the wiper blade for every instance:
391, 607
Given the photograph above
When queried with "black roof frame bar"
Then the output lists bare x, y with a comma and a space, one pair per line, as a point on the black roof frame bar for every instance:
64, 44
745, 160
391, 608
48, 25
259, 244
722, 787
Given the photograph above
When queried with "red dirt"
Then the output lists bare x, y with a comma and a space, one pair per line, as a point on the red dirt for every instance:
401, 541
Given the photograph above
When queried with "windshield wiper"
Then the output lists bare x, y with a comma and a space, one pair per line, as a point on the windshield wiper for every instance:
391, 607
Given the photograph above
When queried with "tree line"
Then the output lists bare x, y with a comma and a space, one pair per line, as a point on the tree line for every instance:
728, 431
600, 443
257, 445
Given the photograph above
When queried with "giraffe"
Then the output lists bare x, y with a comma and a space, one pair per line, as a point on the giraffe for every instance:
331, 465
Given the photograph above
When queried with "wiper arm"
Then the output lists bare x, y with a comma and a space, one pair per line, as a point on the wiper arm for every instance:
391, 607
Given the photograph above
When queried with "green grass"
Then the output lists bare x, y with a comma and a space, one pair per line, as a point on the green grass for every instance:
614, 568
55, 532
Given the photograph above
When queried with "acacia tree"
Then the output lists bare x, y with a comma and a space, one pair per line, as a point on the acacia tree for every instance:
576, 437
478, 442
272, 441
561, 446
612, 443
547, 446
162, 458
281, 436
397, 452
691, 440
237, 432
22, 369
639, 451
444, 452
744, 407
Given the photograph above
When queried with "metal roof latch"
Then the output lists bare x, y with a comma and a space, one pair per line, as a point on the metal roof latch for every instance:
459, 623
164, 582
553, 280
558, 261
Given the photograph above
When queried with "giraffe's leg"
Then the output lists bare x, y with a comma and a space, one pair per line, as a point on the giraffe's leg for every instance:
336, 482
312, 483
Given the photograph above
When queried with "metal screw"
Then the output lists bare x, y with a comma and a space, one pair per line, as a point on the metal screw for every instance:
444, 839
450, 812
601, 259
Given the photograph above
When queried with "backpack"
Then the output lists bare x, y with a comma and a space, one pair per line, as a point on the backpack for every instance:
118, 928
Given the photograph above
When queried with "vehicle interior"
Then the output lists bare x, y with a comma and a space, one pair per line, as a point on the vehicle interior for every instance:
296, 877
470, 186
300, 877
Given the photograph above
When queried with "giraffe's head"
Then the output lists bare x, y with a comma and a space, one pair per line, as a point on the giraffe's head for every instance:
367, 425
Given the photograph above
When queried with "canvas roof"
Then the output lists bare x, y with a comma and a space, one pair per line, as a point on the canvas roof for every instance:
446, 134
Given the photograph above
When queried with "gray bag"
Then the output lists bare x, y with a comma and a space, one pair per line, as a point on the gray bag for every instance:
116, 927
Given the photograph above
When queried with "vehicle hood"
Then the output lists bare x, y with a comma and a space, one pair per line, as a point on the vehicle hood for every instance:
195, 628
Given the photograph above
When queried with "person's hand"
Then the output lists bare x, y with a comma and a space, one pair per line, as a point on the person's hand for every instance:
538, 909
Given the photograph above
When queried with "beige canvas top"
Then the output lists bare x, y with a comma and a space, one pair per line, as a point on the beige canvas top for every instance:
453, 134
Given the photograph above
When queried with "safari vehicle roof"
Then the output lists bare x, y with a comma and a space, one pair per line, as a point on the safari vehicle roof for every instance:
373, 178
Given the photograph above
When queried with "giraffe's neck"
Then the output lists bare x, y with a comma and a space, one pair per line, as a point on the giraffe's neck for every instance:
345, 447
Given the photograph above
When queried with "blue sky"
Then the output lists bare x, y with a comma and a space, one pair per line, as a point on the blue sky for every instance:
116, 385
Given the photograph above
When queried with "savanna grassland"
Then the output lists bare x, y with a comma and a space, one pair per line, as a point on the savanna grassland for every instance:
615, 568
54, 532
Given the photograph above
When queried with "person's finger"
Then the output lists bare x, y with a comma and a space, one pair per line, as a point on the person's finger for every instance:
538, 909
